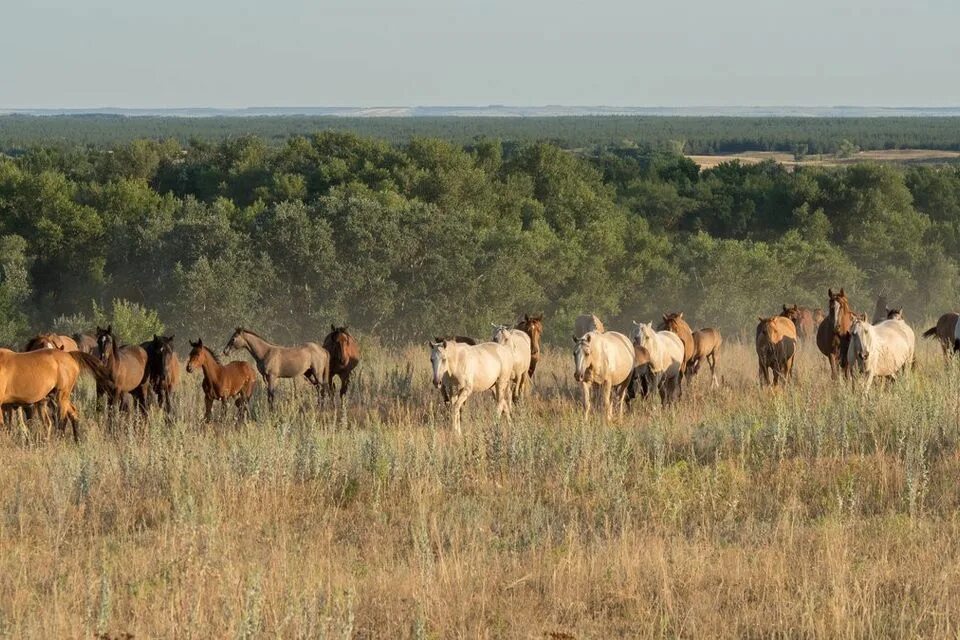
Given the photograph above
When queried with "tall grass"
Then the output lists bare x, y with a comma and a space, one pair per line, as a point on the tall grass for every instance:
810, 511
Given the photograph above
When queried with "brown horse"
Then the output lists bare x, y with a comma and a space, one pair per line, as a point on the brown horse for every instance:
222, 381
776, 349
674, 323
833, 335
706, 347
29, 378
533, 327
880, 310
86, 343
51, 341
344, 356
803, 319
127, 366
274, 362
163, 369
946, 332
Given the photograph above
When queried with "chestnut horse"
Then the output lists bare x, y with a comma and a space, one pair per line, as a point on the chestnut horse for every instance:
803, 319
222, 381
163, 369
29, 378
127, 368
344, 356
947, 332
706, 347
833, 335
51, 341
533, 327
274, 362
776, 349
674, 323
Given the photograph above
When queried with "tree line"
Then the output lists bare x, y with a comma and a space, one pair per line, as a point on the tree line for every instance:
693, 135
404, 241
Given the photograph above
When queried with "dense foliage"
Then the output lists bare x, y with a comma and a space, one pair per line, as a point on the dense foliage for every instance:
404, 241
695, 135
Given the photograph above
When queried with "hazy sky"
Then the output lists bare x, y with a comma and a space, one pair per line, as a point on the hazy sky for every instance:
234, 53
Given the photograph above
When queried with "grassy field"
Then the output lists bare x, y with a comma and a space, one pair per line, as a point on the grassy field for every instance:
888, 156
741, 512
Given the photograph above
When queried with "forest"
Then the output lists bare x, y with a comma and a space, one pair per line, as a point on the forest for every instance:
404, 240
688, 134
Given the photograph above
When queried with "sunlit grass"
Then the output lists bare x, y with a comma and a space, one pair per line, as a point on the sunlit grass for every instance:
810, 511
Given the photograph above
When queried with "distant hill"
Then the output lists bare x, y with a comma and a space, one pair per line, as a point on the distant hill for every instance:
512, 111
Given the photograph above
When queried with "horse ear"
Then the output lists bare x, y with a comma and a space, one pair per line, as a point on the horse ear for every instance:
110, 328
333, 328
526, 317
538, 317
900, 310
576, 340
830, 292
664, 317
842, 294
156, 338
680, 316
784, 308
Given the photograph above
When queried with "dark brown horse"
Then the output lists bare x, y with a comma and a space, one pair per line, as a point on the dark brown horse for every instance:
833, 335
344, 356
776, 349
803, 319
127, 367
533, 327
945, 331
222, 381
163, 369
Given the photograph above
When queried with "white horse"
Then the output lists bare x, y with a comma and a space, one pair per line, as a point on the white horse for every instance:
882, 349
519, 344
666, 357
585, 324
465, 369
606, 360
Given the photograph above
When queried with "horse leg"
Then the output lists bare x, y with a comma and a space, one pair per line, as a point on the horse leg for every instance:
712, 361
344, 383
607, 404
586, 387
764, 375
207, 408
458, 401
271, 390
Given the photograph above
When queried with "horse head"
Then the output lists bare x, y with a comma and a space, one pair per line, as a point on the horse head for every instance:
439, 361
195, 359
501, 333
894, 314
838, 305
533, 327
583, 357
236, 341
106, 342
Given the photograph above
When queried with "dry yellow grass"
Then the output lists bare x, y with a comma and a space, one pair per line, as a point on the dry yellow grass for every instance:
809, 512
925, 156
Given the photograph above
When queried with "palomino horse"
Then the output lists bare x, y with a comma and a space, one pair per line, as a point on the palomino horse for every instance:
666, 353
803, 319
833, 335
467, 369
344, 354
706, 347
776, 349
947, 332
586, 323
520, 350
222, 381
882, 349
163, 369
533, 327
51, 341
86, 343
309, 360
29, 378
445, 389
606, 360
893, 314
127, 368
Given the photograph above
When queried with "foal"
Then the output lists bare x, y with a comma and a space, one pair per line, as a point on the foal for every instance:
222, 382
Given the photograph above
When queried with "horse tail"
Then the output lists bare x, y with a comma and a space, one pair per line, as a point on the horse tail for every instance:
929, 333
93, 366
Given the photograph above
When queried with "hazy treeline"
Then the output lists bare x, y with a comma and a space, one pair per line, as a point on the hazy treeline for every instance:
409, 240
697, 135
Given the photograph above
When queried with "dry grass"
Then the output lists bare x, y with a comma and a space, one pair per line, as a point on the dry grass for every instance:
893, 156
740, 513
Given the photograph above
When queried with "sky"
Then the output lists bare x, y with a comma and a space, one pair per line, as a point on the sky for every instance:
365, 53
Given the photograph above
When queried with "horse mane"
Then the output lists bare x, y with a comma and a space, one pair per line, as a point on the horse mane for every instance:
212, 354
252, 332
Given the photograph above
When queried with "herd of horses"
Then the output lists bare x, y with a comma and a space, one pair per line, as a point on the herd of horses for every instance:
40, 379
657, 359
128, 376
